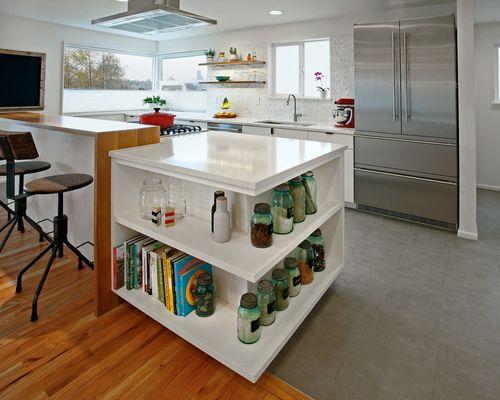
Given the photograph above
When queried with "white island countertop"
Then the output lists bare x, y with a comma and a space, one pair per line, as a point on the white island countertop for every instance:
246, 164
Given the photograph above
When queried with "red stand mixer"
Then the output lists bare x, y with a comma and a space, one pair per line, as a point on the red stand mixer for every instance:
343, 113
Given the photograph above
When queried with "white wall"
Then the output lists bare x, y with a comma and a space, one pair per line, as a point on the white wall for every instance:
487, 114
29, 35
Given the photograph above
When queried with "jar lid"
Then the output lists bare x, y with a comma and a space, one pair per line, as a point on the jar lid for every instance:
262, 208
219, 193
221, 198
316, 233
204, 279
290, 263
279, 274
248, 300
265, 286
295, 181
306, 244
282, 188
308, 174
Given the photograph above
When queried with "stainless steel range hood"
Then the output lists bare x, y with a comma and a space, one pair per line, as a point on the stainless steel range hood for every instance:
152, 17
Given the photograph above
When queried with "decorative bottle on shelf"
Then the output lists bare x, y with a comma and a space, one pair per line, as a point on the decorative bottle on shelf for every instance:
217, 193
222, 221
205, 295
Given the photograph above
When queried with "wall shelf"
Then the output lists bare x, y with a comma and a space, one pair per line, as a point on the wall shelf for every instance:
232, 82
227, 63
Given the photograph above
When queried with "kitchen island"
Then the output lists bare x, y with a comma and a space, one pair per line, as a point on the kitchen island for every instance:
81, 145
247, 168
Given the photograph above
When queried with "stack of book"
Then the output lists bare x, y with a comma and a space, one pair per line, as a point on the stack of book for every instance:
166, 274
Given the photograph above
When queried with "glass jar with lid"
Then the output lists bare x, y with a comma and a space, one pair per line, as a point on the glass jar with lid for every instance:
298, 193
265, 296
205, 295
305, 259
311, 189
261, 232
292, 268
280, 281
318, 246
153, 195
248, 324
282, 209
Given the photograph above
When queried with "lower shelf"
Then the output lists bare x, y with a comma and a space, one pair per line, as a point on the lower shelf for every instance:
217, 335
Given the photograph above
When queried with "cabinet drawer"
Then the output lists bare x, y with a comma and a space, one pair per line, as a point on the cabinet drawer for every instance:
332, 138
290, 133
417, 197
256, 130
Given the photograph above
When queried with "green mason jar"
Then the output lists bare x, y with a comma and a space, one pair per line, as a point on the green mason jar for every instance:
282, 210
311, 189
292, 269
305, 259
318, 245
205, 295
267, 304
280, 280
248, 324
261, 231
298, 193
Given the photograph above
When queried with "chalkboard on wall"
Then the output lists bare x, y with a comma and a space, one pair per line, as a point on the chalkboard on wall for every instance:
22, 80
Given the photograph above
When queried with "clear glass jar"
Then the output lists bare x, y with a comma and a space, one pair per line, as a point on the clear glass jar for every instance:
282, 210
205, 295
261, 232
305, 259
267, 304
152, 195
280, 280
292, 269
311, 189
318, 246
248, 324
177, 195
298, 193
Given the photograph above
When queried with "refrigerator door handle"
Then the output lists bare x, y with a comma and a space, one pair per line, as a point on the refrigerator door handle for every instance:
394, 94
407, 90
414, 178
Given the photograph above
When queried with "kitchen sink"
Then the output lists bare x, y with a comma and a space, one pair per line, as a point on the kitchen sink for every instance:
289, 123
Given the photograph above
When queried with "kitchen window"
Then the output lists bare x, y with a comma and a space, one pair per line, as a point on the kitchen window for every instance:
101, 79
295, 68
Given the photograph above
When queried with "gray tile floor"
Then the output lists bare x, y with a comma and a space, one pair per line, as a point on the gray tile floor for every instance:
415, 315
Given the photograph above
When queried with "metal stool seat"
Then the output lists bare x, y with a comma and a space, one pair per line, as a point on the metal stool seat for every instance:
58, 184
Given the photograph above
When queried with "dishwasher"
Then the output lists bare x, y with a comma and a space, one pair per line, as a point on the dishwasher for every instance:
224, 127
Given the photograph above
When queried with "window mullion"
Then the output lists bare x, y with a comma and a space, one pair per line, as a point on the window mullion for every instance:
301, 67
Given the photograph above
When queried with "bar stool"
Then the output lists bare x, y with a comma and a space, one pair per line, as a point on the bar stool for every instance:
20, 203
21, 146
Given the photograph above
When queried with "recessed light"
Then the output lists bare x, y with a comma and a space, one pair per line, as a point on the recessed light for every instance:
276, 12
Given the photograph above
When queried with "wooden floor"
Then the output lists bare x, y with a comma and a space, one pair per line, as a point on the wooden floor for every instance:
70, 354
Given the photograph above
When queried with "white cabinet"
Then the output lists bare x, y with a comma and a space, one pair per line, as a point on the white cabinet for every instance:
290, 133
347, 140
256, 130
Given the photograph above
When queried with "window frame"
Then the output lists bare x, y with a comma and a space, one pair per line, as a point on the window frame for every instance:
165, 56
272, 72
496, 75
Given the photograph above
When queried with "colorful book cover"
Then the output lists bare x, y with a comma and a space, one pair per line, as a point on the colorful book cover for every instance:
186, 272
169, 284
146, 271
137, 261
175, 289
118, 270
127, 261
155, 272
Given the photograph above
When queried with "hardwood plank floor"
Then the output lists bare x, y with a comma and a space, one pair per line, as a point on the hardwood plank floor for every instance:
70, 354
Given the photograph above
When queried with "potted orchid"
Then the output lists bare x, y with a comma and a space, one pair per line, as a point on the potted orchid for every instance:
323, 91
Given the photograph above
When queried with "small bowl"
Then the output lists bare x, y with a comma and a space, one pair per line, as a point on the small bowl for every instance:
222, 78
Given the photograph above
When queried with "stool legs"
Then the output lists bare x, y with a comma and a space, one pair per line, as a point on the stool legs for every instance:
34, 305
19, 286
9, 232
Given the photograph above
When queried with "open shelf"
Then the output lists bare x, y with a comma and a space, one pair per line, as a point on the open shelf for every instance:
227, 63
192, 235
231, 82
217, 335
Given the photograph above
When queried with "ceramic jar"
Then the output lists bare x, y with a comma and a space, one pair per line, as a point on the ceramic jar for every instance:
222, 221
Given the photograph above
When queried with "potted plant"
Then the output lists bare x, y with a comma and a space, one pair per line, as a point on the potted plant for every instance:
155, 102
323, 91
234, 54
210, 54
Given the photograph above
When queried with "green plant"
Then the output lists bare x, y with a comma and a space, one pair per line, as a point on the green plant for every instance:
210, 53
233, 50
155, 100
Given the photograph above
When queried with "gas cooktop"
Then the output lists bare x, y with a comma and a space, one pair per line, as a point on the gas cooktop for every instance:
180, 129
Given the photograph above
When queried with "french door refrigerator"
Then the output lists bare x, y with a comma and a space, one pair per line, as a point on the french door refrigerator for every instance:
406, 120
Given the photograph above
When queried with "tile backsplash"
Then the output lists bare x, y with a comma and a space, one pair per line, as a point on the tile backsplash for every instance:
255, 100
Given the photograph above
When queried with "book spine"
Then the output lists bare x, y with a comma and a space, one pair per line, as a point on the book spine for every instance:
128, 266
165, 264
161, 283
154, 275
115, 268
120, 273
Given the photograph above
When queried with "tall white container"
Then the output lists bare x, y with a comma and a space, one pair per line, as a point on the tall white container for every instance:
222, 221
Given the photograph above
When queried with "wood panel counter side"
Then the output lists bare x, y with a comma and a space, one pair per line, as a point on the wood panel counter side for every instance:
108, 135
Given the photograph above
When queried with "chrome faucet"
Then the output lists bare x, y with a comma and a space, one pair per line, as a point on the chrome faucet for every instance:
295, 115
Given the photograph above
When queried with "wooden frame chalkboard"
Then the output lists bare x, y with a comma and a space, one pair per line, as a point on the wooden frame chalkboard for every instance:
42, 57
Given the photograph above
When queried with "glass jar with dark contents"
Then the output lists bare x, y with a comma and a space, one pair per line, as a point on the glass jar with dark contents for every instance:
265, 296
249, 319
305, 258
205, 295
261, 232
280, 280
292, 268
318, 246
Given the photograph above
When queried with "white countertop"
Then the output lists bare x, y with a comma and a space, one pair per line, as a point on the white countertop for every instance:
249, 164
68, 124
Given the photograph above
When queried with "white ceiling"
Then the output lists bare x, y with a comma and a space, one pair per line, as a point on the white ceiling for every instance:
231, 14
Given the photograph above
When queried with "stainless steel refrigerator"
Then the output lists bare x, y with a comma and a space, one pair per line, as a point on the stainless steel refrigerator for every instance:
406, 120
